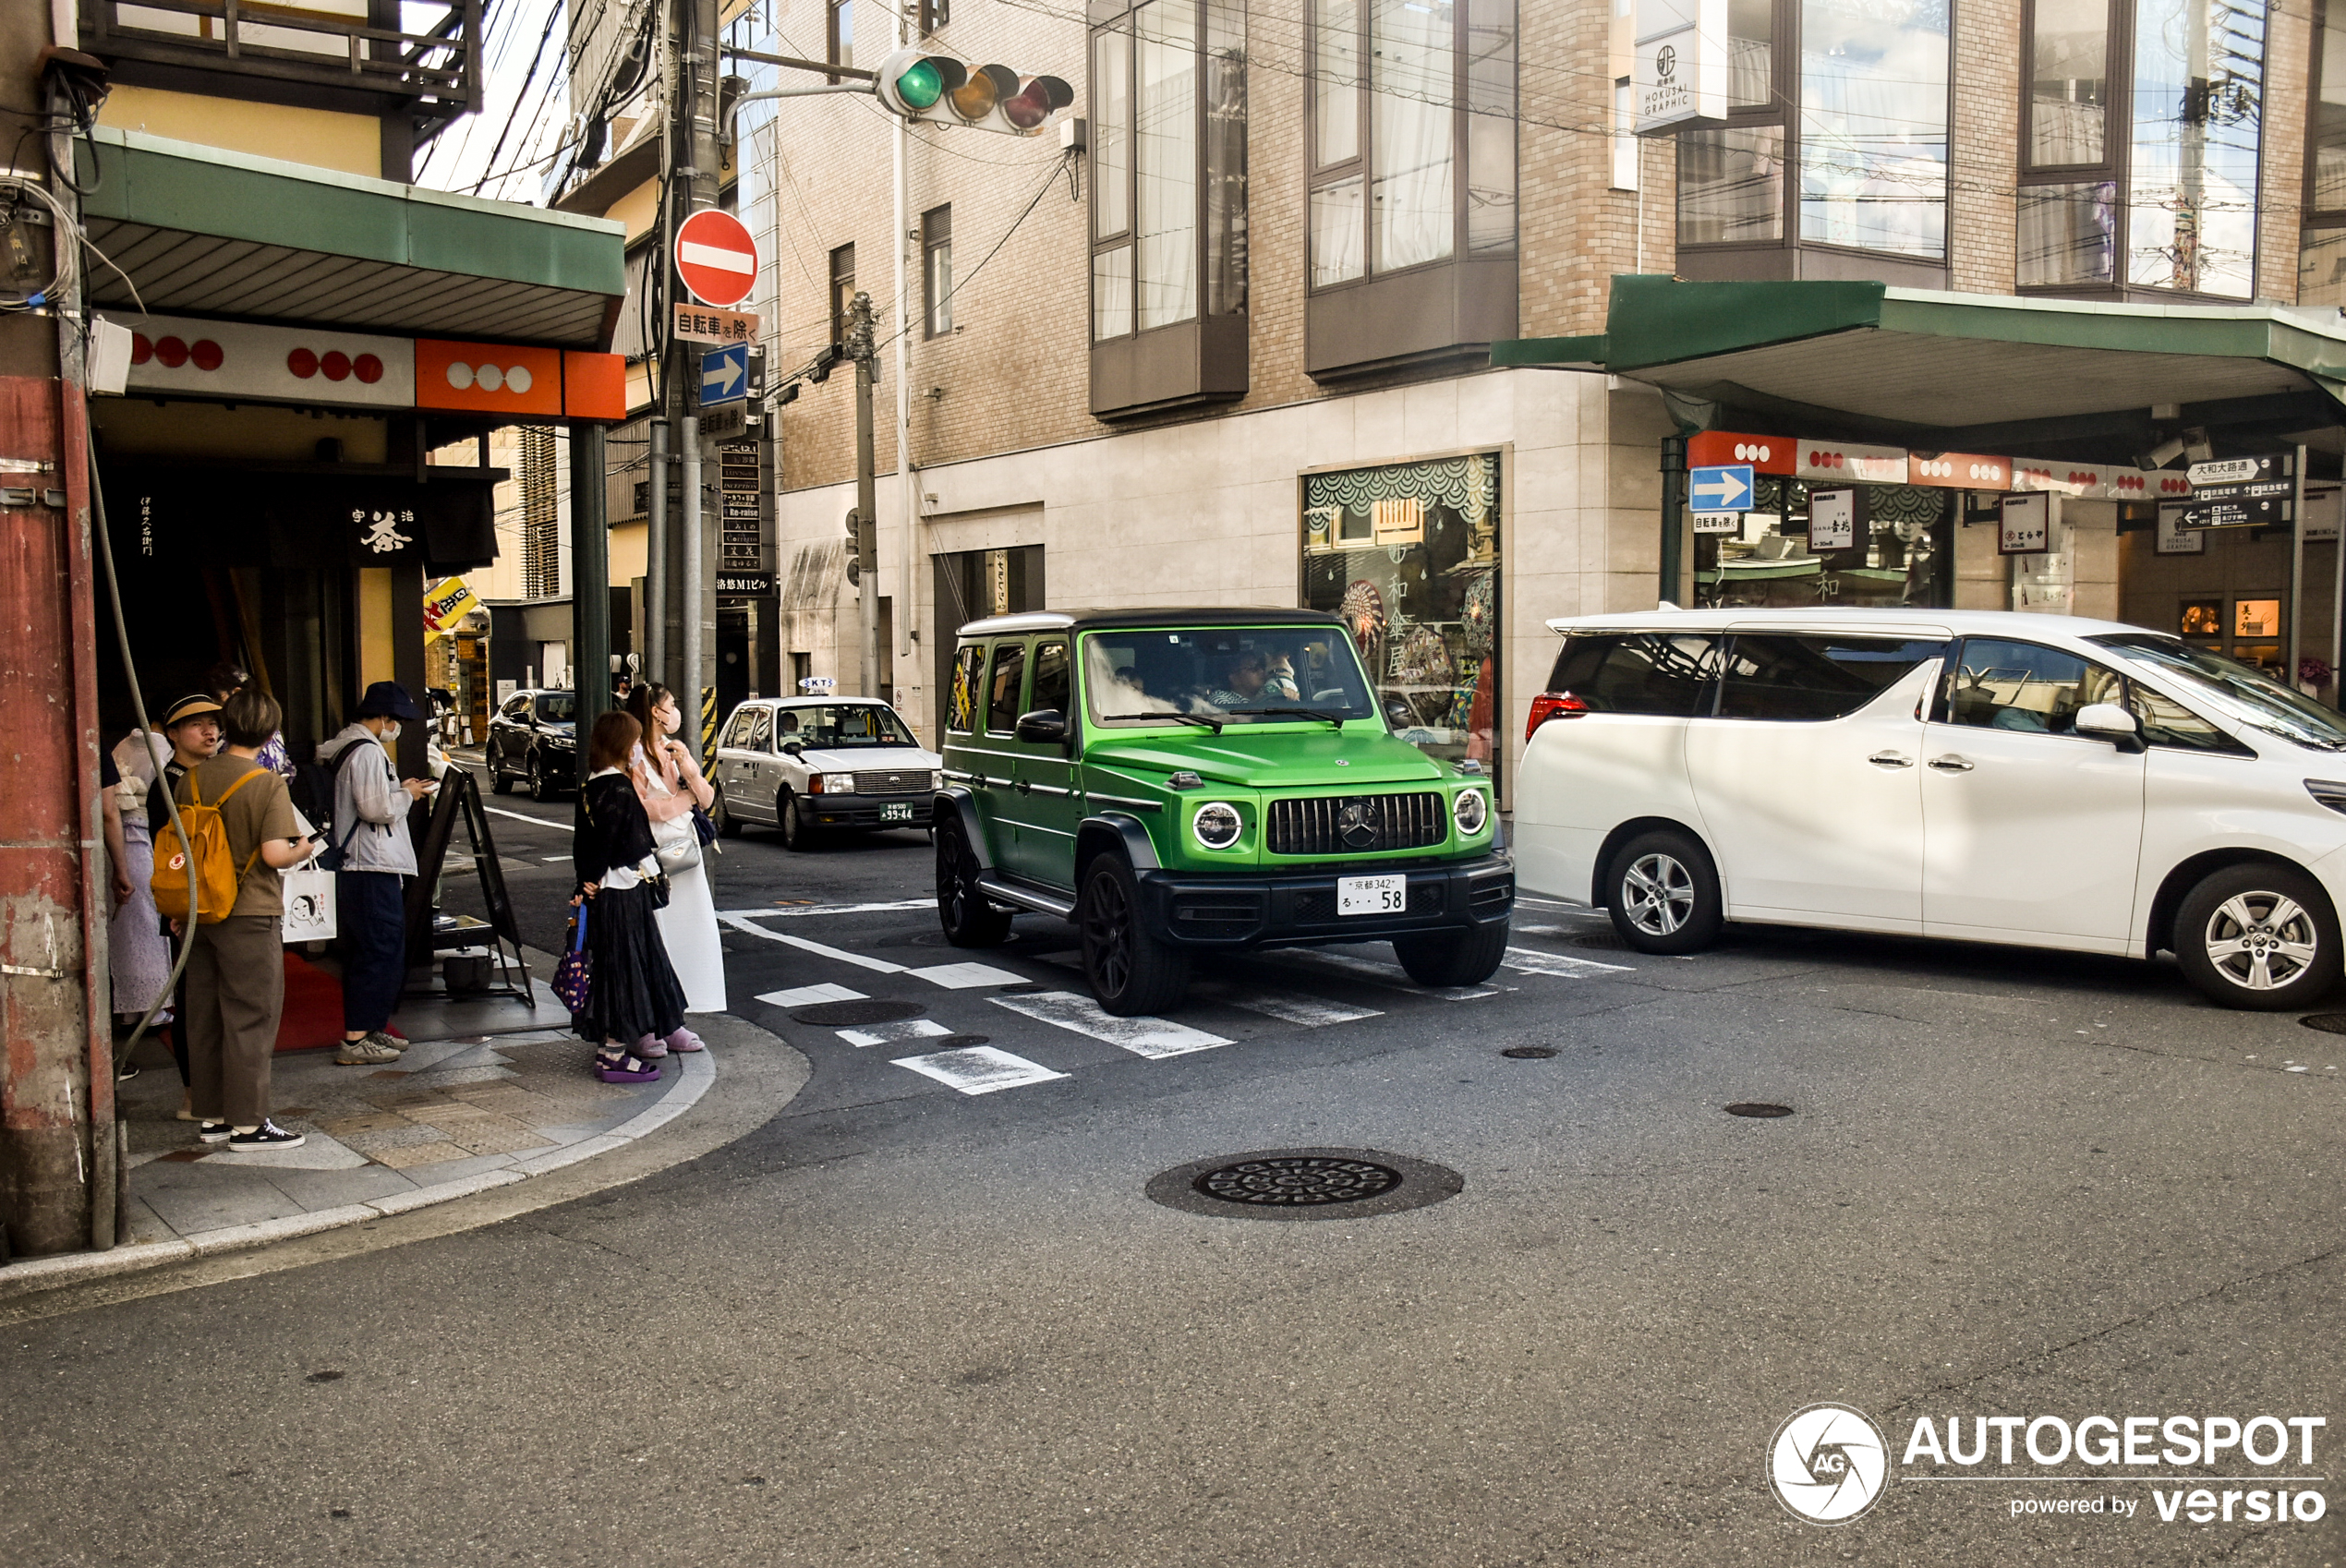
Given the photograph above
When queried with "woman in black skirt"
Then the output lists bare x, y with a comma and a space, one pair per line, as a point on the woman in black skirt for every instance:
634, 998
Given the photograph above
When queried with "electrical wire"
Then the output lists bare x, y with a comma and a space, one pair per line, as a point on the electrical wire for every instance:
553, 20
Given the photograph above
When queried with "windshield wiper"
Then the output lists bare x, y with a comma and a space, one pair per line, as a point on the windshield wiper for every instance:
1325, 717
1213, 724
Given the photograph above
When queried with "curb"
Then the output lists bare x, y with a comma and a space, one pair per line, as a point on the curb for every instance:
700, 1070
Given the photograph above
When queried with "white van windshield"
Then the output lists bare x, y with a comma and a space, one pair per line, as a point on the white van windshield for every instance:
2238, 691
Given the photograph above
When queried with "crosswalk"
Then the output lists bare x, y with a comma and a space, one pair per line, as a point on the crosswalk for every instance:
1277, 985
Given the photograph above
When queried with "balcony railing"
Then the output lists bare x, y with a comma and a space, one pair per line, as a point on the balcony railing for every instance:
436, 73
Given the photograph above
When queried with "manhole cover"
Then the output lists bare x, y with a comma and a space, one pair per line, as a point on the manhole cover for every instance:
1598, 939
1758, 1108
1304, 1184
1529, 1053
847, 1014
2328, 1023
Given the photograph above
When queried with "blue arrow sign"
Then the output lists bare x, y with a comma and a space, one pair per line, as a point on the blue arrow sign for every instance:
724, 375
1725, 488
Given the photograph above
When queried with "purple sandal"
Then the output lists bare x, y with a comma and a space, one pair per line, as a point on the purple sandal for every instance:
684, 1042
615, 1070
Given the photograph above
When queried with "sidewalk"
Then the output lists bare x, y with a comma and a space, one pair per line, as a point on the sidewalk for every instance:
488, 1093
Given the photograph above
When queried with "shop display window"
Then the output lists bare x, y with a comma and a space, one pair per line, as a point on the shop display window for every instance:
1409, 555
2202, 617
1903, 555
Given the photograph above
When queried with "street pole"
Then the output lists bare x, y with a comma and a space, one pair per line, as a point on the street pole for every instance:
1673, 514
907, 484
654, 666
859, 348
688, 698
2297, 574
589, 581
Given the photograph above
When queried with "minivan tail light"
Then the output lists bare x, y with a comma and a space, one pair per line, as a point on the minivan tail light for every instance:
1552, 705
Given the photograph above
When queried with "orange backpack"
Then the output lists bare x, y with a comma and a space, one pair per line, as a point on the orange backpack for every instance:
217, 876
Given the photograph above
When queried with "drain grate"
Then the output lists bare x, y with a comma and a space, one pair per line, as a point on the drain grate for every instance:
2328, 1023
1760, 1108
1529, 1053
1600, 939
1304, 1184
847, 1014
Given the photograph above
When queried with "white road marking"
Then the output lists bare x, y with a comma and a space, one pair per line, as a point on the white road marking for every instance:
553, 857
1307, 1012
806, 995
524, 816
886, 1034
963, 977
1531, 961
879, 966
1150, 1037
769, 913
979, 1069
1392, 975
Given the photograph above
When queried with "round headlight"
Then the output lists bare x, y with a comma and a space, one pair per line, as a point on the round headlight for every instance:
1216, 824
1471, 811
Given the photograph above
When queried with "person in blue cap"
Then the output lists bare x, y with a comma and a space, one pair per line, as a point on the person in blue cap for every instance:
376, 858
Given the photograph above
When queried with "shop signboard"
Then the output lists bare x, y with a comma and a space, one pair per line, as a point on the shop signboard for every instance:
1959, 471
1766, 454
1834, 519
745, 585
2024, 527
2321, 514
702, 323
2172, 538
1681, 78
231, 359
489, 377
1847, 462
447, 602
1718, 522
1727, 487
2084, 480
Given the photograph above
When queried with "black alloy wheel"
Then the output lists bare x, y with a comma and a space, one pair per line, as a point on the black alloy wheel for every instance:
497, 780
961, 908
1132, 971
1453, 958
540, 787
798, 833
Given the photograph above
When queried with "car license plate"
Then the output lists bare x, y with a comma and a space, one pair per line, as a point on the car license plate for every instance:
1372, 894
896, 810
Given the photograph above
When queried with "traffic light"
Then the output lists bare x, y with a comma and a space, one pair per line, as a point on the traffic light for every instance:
939, 90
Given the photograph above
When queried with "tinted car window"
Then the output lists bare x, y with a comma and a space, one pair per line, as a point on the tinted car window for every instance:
960, 699
1001, 688
2000, 684
555, 708
1050, 677
1247, 675
2167, 722
761, 731
737, 733
1643, 672
1813, 677
845, 726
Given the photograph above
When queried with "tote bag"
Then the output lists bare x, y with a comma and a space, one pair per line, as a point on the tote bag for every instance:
309, 905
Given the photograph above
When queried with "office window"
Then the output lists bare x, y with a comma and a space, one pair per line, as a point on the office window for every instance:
936, 271
1873, 126
839, 32
2068, 234
1731, 186
2197, 132
2321, 256
842, 290
936, 14
2068, 59
1400, 178
1625, 137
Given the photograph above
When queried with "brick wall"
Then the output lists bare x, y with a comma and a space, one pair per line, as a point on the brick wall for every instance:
1984, 147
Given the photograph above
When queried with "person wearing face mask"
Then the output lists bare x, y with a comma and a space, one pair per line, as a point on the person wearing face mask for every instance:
376, 858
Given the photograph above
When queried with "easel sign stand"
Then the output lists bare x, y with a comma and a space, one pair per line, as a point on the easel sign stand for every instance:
459, 799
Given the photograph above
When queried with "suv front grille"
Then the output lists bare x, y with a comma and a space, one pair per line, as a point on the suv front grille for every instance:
1337, 825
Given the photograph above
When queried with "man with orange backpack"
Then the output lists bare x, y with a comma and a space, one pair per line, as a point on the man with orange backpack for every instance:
240, 832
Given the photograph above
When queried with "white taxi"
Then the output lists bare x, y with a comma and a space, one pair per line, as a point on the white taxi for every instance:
810, 764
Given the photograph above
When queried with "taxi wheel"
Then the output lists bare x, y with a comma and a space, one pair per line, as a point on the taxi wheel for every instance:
727, 823
961, 909
1453, 958
798, 833
1130, 969
2261, 937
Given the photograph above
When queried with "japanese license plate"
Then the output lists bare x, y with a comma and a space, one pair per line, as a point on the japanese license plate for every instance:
1372, 894
896, 810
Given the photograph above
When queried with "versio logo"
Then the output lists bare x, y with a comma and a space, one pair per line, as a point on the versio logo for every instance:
1828, 1463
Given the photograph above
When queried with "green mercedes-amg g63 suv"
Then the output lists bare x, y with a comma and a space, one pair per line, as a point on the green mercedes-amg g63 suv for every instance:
1178, 781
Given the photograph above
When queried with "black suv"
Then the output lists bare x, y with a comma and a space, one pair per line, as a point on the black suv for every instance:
532, 736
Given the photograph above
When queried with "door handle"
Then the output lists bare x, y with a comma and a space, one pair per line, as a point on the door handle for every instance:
1951, 763
1023, 788
1890, 759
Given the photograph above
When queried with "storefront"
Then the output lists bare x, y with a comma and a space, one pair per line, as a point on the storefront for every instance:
1408, 553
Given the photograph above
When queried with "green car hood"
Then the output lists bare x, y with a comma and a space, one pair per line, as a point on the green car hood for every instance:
1284, 758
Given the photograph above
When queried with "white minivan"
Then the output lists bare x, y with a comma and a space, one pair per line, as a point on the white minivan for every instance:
1978, 774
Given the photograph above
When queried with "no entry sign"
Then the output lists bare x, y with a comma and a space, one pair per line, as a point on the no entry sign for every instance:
716, 258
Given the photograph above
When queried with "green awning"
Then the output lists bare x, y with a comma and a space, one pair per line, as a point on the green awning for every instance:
209, 232
1927, 359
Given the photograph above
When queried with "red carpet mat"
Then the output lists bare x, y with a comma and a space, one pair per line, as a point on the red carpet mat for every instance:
313, 1007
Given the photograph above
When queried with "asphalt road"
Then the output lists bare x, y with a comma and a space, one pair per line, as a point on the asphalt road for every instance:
907, 1323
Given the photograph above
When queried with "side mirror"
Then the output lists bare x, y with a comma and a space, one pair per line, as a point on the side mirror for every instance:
1044, 727
795, 748
2108, 721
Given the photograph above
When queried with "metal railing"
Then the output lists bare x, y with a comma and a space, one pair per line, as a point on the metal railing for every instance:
436, 69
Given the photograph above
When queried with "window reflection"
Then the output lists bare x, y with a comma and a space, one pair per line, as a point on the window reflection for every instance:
2068, 234
1873, 125
2197, 128
1751, 57
2069, 83
1412, 67
1731, 186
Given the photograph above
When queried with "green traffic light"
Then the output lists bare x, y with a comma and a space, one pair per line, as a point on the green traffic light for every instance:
921, 85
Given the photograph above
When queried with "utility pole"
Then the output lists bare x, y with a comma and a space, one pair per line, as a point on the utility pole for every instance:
907, 487
859, 349
693, 168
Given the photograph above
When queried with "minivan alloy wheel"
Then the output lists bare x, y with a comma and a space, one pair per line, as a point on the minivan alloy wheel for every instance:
2261, 940
1657, 894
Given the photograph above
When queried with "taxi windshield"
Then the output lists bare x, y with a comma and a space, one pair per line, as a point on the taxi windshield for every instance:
1224, 675
838, 727
2238, 691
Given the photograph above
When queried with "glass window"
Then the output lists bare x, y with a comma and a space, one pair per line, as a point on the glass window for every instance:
961, 701
1731, 186
1998, 684
1112, 293
937, 269
1751, 54
2321, 267
761, 729
2068, 234
1808, 678
1111, 156
1642, 673
842, 290
1491, 181
1226, 232
1335, 100
555, 708
1873, 125
838, 31
2167, 722
1337, 238
2199, 74
1002, 688
737, 733
1050, 678
2068, 83
2328, 154
1165, 158
1410, 69
2238, 691
1221, 675
1625, 135
845, 727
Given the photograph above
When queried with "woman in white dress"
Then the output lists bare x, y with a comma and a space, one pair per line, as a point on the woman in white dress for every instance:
669, 780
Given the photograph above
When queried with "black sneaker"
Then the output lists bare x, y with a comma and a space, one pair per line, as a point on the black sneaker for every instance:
215, 1132
125, 1071
268, 1135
